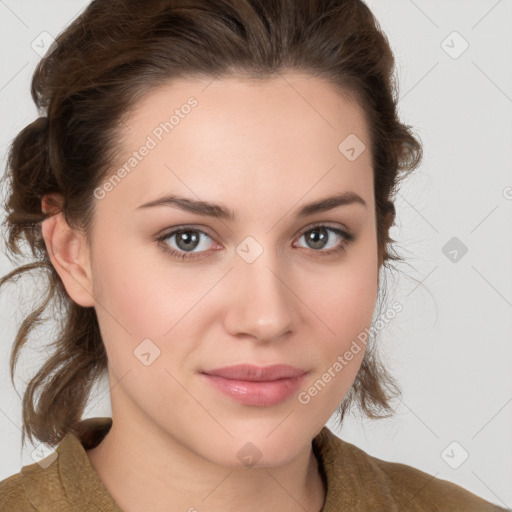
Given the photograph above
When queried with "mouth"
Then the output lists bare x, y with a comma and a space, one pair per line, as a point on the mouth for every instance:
256, 385
254, 373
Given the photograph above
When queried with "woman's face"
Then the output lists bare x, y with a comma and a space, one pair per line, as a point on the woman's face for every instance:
257, 288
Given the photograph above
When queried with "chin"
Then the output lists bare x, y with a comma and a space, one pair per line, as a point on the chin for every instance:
255, 451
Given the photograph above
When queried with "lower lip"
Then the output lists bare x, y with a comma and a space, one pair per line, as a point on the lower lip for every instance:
256, 393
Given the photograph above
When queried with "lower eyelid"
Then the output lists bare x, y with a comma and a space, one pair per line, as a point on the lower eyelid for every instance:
345, 235
167, 236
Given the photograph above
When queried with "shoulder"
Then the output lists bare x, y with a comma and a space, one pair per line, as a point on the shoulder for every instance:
13, 496
392, 485
422, 491
38, 486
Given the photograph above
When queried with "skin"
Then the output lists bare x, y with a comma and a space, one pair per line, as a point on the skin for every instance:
262, 150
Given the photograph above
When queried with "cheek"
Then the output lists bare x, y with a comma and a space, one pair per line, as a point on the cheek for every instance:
348, 305
340, 353
129, 291
344, 302
344, 298
139, 301
125, 303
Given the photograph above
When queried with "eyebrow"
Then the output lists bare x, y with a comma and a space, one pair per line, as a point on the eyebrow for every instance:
221, 212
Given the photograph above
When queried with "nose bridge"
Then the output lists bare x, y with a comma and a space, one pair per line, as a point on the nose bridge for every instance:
261, 302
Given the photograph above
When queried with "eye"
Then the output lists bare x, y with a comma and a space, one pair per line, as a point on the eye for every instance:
187, 239
318, 237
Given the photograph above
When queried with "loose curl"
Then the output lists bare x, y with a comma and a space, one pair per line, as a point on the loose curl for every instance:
112, 54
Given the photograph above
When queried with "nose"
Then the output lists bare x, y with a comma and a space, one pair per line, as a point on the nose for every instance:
261, 304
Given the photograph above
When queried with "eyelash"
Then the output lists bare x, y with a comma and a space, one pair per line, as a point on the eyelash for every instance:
341, 248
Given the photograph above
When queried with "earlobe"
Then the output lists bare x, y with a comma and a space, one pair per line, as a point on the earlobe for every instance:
69, 254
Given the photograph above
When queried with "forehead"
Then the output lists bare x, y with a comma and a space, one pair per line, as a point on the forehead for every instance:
233, 137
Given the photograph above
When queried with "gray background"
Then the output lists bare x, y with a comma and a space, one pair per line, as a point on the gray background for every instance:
450, 347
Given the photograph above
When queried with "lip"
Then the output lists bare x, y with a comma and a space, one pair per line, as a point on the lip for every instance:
254, 373
256, 385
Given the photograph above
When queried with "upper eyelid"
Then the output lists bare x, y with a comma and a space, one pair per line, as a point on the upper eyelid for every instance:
347, 232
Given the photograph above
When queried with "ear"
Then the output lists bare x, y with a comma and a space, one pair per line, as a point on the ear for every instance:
69, 254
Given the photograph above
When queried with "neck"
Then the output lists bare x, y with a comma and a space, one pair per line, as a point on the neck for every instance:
146, 468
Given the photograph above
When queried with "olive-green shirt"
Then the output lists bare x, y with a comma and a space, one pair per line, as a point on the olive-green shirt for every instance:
355, 481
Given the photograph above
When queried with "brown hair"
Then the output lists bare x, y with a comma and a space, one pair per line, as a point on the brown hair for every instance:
114, 52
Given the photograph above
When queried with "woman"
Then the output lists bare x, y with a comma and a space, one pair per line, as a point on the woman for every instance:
210, 189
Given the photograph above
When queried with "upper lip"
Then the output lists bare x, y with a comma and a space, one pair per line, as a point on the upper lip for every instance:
251, 372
